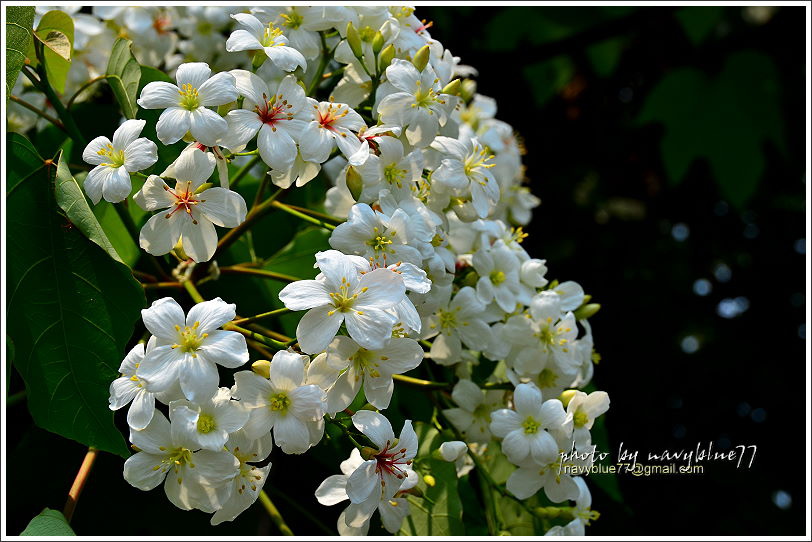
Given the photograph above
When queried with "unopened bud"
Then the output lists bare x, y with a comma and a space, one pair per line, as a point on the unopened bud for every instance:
386, 56
587, 298
178, 249
354, 183
468, 89
368, 453
585, 311
377, 42
262, 367
453, 88
430, 481
421, 58
567, 396
354, 41
453, 450
258, 58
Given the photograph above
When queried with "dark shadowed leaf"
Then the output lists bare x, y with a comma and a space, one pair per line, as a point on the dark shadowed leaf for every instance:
19, 23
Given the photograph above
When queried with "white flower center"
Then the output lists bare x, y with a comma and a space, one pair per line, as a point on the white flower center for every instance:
185, 198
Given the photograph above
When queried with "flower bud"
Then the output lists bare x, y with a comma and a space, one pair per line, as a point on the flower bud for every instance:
421, 58
354, 182
587, 297
368, 453
430, 481
354, 41
468, 89
257, 60
262, 367
178, 249
386, 56
453, 450
585, 311
377, 42
453, 88
567, 396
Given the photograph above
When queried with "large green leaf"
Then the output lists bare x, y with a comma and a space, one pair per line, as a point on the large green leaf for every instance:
724, 120
71, 199
70, 308
123, 76
57, 58
19, 23
48, 523
439, 511
117, 232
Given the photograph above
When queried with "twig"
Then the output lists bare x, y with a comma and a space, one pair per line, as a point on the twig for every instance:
83, 87
79, 483
156, 285
53, 120
240, 270
290, 210
276, 517
243, 171
268, 314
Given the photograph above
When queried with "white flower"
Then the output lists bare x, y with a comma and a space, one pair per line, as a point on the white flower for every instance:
376, 236
344, 296
524, 430
300, 24
332, 124
466, 170
456, 322
189, 348
115, 160
283, 403
498, 269
386, 469
193, 213
130, 388
415, 101
250, 479
372, 369
184, 103
584, 409
453, 450
208, 422
273, 116
254, 36
393, 511
194, 479
472, 417
556, 479
300, 172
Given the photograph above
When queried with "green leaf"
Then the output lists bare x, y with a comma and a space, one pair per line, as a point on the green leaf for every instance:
9, 360
56, 41
19, 24
605, 55
117, 232
549, 77
123, 76
604, 480
48, 523
699, 21
71, 309
724, 120
439, 511
57, 64
71, 199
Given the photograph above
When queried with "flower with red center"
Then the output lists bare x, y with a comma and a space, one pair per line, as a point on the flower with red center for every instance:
385, 469
191, 210
333, 124
276, 118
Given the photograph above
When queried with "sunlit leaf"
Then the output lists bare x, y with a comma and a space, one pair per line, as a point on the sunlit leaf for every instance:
19, 23
123, 76
48, 523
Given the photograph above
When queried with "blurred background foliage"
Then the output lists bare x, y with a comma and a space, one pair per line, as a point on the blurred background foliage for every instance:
666, 144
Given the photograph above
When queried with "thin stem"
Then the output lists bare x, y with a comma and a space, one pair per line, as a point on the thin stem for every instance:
276, 517
325, 59
193, 291
53, 120
83, 87
243, 171
260, 190
157, 285
267, 341
260, 316
63, 114
317, 214
240, 270
420, 383
79, 483
253, 215
290, 210
18, 397
140, 275
345, 431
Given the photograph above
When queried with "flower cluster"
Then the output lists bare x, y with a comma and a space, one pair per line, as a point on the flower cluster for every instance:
426, 264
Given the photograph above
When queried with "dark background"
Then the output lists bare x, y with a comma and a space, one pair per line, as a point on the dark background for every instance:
667, 147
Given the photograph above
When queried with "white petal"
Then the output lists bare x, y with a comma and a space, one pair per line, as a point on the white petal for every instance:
251, 389
199, 240
370, 328
333, 490
408, 439
94, 182
223, 207
207, 126
155, 436
218, 90
363, 482
242, 126
91, 153
375, 426
467, 394
211, 315
154, 195
242, 40
287, 370
226, 348
504, 421
304, 294
317, 328
276, 148
307, 402
117, 186
140, 154
161, 233
127, 133
159, 95
194, 165
291, 434
173, 124
141, 411
527, 399
140, 471
192, 73
198, 379
162, 317
516, 446
385, 289
524, 483
286, 58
